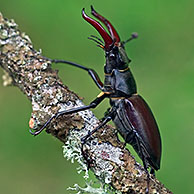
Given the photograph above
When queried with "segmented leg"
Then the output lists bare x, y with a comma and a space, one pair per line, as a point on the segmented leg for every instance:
91, 72
104, 120
93, 104
144, 162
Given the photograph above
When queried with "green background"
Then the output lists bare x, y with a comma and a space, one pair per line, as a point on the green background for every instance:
162, 63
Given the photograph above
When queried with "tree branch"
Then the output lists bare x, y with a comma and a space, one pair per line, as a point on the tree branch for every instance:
103, 153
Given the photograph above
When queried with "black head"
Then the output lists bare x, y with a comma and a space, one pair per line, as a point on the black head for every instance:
116, 57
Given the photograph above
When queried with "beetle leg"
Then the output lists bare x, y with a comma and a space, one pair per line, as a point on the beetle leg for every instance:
144, 162
152, 172
104, 120
91, 72
93, 104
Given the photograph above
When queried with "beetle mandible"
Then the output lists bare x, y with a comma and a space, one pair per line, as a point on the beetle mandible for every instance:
129, 112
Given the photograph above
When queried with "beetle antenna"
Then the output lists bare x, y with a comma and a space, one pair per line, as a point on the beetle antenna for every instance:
133, 36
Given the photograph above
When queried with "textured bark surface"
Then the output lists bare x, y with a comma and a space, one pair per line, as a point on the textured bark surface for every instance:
106, 156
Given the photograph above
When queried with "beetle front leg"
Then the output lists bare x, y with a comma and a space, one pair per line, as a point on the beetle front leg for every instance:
93, 104
91, 72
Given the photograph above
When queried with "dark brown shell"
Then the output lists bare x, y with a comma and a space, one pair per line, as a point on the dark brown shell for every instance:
142, 120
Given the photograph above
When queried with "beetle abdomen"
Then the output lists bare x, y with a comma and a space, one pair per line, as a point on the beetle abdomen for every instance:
134, 117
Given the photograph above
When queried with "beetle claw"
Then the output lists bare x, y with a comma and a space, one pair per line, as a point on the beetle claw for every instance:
35, 133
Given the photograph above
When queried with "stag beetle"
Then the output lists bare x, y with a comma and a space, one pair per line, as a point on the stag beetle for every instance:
129, 112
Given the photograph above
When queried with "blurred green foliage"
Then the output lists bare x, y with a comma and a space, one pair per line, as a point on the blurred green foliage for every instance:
162, 63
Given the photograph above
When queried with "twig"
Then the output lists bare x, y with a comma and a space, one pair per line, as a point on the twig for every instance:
104, 154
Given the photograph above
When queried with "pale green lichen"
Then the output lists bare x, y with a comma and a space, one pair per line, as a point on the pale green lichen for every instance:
26, 37
11, 23
72, 151
3, 34
89, 189
7, 80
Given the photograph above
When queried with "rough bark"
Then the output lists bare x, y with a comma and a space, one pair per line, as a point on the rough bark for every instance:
104, 154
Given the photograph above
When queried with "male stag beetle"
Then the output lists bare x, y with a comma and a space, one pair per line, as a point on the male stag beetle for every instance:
129, 112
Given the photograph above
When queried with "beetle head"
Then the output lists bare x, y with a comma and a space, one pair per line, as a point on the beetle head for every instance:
116, 57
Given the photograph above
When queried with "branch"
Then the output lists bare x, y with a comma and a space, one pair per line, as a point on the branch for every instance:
104, 154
